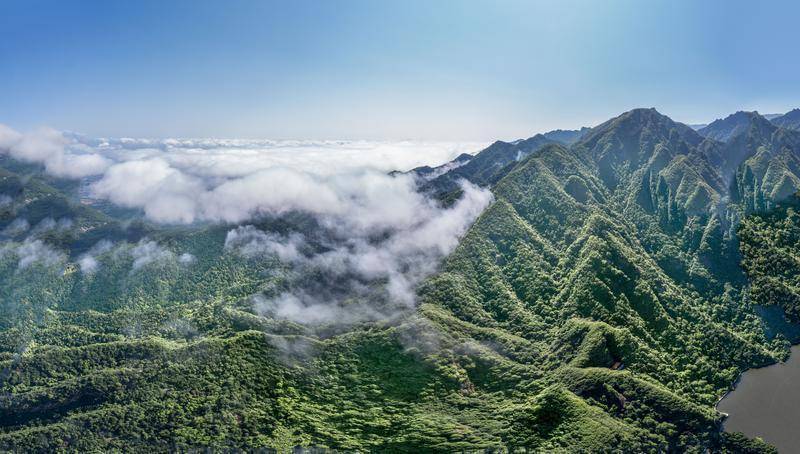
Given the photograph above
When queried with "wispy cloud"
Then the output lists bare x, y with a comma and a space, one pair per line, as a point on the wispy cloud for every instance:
31, 252
88, 261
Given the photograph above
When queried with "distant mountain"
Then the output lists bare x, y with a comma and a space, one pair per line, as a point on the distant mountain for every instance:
483, 169
790, 120
566, 136
429, 173
724, 129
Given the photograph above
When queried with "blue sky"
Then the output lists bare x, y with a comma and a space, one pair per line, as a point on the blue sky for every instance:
449, 70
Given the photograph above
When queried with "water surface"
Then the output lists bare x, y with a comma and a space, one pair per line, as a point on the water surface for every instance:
766, 404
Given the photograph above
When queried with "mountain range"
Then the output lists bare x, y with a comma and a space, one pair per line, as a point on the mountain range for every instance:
621, 279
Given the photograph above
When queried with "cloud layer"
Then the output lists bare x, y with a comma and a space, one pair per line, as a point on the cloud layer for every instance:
376, 236
188, 180
52, 149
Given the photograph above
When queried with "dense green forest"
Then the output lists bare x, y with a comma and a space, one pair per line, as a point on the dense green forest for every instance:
605, 300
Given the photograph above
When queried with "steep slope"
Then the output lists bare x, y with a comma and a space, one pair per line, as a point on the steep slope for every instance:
725, 128
566, 136
767, 165
621, 145
485, 168
789, 120
570, 275
770, 253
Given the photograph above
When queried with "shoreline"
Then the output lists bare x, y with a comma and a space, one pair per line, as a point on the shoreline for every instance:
738, 379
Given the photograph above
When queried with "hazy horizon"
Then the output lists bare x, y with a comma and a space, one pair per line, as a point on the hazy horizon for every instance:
467, 71
478, 144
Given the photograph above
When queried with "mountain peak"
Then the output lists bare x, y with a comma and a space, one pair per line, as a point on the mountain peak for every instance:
641, 122
789, 120
725, 129
567, 136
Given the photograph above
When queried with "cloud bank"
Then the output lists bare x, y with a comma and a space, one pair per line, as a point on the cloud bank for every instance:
50, 148
376, 239
188, 180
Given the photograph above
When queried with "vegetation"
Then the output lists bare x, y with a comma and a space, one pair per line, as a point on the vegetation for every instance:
596, 306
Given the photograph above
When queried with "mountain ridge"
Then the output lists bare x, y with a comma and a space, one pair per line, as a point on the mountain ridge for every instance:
789, 120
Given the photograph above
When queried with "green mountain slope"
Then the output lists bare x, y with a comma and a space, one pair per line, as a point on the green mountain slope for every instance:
770, 252
725, 128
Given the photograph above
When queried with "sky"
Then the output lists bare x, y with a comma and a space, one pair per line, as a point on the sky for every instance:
387, 70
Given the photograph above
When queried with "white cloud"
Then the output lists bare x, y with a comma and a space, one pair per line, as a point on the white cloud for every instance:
221, 158
37, 251
16, 227
147, 252
50, 147
88, 264
88, 261
188, 180
365, 278
251, 242
48, 224
186, 259
166, 194
8, 137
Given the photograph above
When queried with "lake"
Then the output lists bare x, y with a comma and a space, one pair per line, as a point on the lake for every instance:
766, 404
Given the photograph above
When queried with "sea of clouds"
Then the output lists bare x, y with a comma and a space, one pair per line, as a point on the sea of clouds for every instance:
379, 227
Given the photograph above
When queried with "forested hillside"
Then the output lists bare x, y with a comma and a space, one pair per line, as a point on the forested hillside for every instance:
598, 304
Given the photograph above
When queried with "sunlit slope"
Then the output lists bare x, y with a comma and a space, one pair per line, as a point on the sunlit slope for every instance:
562, 275
789, 120
770, 244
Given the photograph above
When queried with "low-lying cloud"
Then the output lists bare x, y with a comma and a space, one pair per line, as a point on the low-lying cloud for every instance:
52, 149
88, 261
251, 242
148, 251
377, 237
360, 276
32, 252
188, 180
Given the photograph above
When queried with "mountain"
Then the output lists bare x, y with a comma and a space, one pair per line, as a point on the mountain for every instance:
566, 136
429, 173
483, 169
724, 129
597, 304
789, 120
